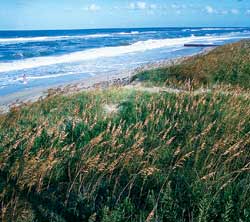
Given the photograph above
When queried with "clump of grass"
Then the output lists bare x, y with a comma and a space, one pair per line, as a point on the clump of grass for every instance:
228, 64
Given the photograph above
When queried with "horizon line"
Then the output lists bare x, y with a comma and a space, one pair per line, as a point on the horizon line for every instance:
155, 27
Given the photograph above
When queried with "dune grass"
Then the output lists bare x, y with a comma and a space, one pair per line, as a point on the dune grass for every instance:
228, 64
160, 157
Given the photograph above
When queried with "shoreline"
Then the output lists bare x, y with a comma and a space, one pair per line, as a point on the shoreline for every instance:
102, 81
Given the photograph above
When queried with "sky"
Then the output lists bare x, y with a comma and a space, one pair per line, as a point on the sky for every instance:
85, 14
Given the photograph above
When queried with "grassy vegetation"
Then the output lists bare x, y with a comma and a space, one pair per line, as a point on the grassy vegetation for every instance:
160, 157
228, 64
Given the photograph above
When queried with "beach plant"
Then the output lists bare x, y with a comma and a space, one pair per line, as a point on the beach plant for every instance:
228, 64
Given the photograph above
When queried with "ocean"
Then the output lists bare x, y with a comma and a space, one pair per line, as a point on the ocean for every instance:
58, 57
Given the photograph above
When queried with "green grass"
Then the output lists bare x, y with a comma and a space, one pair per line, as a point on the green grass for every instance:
228, 64
161, 157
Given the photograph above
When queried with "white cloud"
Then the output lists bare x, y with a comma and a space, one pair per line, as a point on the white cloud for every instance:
181, 8
235, 11
132, 5
175, 6
178, 12
209, 9
141, 6
248, 11
153, 6
92, 8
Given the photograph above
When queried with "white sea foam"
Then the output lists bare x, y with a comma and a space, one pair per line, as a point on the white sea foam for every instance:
211, 29
135, 33
66, 37
49, 38
128, 33
105, 52
58, 38
220, 29
93, 36
48, 76
7, 81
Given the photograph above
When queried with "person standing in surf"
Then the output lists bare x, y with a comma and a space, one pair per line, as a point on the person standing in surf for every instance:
25, 79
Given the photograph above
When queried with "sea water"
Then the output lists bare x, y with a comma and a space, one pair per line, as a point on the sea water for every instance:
57, 57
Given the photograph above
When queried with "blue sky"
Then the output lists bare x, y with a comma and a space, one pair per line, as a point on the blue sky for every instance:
76, 14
